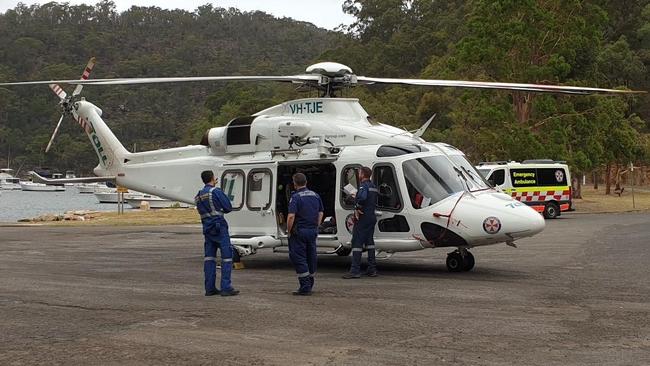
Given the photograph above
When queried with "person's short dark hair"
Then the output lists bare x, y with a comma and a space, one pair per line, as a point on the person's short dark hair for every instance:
366, 172
207, 176
299, 180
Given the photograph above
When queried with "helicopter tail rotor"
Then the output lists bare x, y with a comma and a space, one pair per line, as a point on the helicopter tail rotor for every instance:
65, 100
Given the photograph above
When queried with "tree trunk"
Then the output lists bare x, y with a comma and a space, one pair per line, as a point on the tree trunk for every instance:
523, 104
596, 178
576, 187
608, 179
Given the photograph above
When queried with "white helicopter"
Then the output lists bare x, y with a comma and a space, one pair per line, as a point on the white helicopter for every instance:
430, 195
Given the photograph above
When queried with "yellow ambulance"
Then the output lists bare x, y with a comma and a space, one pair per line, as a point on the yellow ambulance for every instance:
545, 185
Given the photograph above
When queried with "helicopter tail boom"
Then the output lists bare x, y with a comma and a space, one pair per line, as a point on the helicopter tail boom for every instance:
110, 151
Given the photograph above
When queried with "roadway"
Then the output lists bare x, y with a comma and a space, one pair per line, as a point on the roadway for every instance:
579, 293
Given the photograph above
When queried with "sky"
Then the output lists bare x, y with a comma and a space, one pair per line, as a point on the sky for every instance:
323, 13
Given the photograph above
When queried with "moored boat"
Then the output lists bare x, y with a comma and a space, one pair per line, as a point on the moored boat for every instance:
8, 181
40, 187
135, 200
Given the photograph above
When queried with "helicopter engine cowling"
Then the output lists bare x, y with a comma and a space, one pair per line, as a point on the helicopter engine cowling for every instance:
217, 140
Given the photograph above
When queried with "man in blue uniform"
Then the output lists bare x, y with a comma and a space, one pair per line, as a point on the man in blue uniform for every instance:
212, 204
364, 229
305, 214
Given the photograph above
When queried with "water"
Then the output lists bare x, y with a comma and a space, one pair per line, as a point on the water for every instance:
15, 205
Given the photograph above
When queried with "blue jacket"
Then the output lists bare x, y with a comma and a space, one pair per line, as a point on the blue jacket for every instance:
366, 199
306, 205
212, 204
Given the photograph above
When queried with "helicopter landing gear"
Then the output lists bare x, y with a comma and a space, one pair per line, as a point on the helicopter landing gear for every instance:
343, 251
460, 260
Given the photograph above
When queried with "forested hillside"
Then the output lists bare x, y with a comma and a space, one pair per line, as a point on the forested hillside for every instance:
54, 41
591, 42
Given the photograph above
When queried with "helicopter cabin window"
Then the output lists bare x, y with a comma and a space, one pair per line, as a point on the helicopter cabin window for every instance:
498, 177
232, 184
430, 179
389, 196
349, 185
259, 189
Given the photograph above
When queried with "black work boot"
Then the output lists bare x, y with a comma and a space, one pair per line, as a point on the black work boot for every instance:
231, 292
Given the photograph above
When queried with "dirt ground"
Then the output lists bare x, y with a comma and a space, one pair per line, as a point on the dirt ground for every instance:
576, 294
596, 201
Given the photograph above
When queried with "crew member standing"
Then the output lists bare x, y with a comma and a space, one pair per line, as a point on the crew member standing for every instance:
364, 229
212, 204
305, 214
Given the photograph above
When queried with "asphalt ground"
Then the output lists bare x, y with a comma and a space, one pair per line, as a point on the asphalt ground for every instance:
579, 293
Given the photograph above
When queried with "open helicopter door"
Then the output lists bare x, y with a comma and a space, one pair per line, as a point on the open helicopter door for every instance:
251, 192
392, 223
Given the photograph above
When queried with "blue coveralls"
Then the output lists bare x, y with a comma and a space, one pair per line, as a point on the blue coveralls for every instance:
306, 205
364, 229
212, 204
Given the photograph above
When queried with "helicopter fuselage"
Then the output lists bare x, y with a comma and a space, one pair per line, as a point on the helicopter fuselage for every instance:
429, 194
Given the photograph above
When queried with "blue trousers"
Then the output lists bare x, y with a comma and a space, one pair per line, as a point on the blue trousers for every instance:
363, 235
302, 253
216, 238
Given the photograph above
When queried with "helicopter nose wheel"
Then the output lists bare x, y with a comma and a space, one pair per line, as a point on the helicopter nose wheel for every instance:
460, 260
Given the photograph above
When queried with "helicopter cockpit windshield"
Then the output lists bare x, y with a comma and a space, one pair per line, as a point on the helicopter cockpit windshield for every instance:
430, 179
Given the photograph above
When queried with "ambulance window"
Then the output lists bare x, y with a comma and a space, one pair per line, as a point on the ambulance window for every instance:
232, 184
523, 177
551, 177
498, 177
389, 196
259, 189
349, 179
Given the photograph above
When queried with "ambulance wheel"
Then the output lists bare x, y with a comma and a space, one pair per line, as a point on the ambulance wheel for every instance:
455, 262
551, 210
469, 262
343, 252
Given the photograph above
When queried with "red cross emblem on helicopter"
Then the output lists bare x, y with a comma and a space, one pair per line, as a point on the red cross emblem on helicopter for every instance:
491, 225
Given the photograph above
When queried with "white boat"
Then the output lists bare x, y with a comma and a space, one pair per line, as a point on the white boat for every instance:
88, 188
40, 187
8, 181
106, 194
135, 200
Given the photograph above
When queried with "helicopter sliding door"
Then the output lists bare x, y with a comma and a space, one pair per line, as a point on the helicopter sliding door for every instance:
251, 192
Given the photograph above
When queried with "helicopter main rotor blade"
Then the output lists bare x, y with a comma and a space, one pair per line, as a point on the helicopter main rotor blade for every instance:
84, 76
56, 130
541, 88
129, 81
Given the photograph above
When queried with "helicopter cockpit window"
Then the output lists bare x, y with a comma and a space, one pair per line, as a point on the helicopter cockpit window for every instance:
259, 189
349, 183
232, 184
389, 196
397, 150
474, 180
430, 179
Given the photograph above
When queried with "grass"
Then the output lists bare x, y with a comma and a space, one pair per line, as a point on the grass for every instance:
596, 201
593, 201
176, 216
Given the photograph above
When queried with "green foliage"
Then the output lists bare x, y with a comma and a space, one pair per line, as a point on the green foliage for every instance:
55, 40
582, 42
